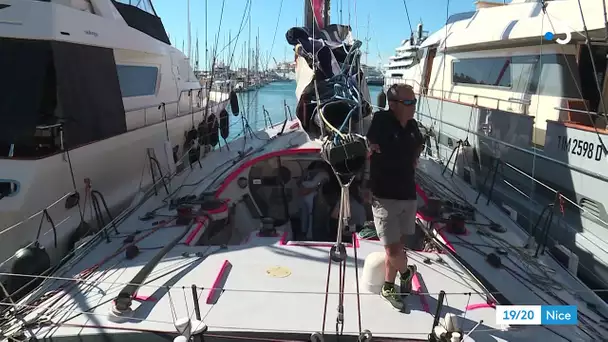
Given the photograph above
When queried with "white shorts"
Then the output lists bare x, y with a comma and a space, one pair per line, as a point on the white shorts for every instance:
394, 219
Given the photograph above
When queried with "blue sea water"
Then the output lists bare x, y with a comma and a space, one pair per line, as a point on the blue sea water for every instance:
271, 98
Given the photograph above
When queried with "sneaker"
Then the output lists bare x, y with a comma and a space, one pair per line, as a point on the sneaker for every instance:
390, 295
406, 280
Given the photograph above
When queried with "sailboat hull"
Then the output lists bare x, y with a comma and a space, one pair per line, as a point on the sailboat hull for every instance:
117, 167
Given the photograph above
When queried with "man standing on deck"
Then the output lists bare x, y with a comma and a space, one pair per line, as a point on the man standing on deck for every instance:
395, 144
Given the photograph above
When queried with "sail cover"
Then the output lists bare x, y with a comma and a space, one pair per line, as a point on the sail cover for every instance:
330, 56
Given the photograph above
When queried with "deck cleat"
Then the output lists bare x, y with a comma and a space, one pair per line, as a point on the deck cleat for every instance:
365, 336
316, 337
337, 252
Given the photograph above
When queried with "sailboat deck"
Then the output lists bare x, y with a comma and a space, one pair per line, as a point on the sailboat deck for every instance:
264, 286
251, 299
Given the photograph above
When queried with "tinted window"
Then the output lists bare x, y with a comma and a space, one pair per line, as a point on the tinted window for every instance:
558, 76
137, 80
549, 74
144, 5
89, 336
494, 71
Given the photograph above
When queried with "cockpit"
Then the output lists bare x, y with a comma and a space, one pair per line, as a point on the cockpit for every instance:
295, 194
304, 193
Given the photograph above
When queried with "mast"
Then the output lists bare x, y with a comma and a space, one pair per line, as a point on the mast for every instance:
257, 53
189, 38
196, 54
206, 39
249, 48
367, 39
316, 14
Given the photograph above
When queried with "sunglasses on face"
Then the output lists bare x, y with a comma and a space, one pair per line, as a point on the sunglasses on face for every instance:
407, 102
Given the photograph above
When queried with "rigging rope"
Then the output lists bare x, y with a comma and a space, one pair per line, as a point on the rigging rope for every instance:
538, 277
337, 151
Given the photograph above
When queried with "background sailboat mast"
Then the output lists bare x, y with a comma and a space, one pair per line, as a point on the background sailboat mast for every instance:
196, 54
367, 39
249, 48
189, 38
206, 39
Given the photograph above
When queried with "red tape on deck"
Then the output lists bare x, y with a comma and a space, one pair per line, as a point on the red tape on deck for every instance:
195, 231
142, 298
421, 216
417, 287
216, 290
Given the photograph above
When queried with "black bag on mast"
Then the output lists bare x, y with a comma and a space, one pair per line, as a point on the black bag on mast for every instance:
335, 97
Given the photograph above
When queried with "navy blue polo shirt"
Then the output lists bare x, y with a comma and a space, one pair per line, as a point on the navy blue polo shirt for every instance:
392, 172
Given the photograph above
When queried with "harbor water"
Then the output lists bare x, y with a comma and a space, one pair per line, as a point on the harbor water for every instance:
271, 98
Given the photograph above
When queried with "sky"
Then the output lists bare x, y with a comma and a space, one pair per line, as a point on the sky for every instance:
388, 24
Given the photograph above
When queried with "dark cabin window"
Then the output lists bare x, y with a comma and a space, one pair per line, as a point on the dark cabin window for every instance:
144, 5
140, 15
137, 80
70, 87
495, 71
558, 76
28, 98
548, 75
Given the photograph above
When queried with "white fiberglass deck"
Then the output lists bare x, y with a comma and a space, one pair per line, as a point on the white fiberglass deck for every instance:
267, 284
251, 299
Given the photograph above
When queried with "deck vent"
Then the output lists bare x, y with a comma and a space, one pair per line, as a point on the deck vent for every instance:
592, 207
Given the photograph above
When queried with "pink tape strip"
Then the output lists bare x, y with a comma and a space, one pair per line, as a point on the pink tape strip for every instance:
440, 232
143, 298
417, 288
218, 282
195, 231
480, 306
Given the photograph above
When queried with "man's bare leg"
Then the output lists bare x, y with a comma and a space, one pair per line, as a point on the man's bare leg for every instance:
396, 260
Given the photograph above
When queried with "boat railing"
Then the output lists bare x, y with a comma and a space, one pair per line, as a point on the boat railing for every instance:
448, 95
55, 144
200, 95
582, 119
34, 215
577, 110
494, 168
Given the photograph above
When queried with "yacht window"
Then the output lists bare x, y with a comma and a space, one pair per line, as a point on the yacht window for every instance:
137, 80
28, 98
551, 75
144, 5
557, 77
46, 104
494, 71
140, 15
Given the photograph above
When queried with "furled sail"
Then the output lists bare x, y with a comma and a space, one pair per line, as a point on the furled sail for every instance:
333, 98
329, 55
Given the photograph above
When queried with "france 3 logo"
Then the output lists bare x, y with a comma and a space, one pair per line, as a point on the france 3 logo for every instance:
567, 32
